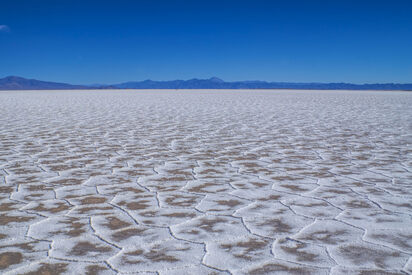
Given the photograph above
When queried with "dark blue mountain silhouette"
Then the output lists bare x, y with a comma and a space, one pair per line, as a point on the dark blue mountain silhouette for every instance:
19, 83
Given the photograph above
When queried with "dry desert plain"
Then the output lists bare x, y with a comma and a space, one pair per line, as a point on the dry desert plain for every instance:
205, 182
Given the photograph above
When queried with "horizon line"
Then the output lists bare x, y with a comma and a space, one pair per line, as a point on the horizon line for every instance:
211, 78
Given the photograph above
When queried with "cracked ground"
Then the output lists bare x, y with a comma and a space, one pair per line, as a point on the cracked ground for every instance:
205, 182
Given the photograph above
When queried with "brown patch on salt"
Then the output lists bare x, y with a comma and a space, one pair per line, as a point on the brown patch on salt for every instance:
24, 171
398, 238
136, 205
49, 269
83, 248
182, 201
180, 215
114, 223
324, 236
155, 254
337, 191
209, 224
259, 184
67, 181
270, 198
277, 225
358, 204
93, 200
76, 228
379, 272
176, 178
208, 171
180, 172
359, 255
150, 213
127, 233
296, 250
27, 247
294, 187
202, 188
10, 258
230, 203
41, 187
4, 207
249, 246
94, 269
56, 209
273, 268
86, 210
134, 190
6, 190
286, 178
5, 219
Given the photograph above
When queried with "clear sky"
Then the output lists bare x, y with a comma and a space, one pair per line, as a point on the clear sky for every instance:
85, 42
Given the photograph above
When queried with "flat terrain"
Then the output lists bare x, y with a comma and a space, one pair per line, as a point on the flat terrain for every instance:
206, 182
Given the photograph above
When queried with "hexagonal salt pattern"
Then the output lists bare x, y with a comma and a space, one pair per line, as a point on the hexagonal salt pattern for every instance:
205, 182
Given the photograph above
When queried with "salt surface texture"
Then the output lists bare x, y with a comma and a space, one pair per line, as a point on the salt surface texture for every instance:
206, 182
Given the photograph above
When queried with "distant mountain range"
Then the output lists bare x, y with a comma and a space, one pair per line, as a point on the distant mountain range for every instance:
19, 83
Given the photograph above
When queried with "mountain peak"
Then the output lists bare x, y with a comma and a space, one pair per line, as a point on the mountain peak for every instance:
13, 78
216, 79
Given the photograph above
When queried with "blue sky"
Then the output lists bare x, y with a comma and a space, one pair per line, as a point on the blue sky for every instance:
84, 42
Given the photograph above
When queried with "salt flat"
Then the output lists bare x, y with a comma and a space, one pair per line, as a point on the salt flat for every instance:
206, 182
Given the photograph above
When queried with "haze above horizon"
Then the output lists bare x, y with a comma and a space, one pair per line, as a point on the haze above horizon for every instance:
84, 42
